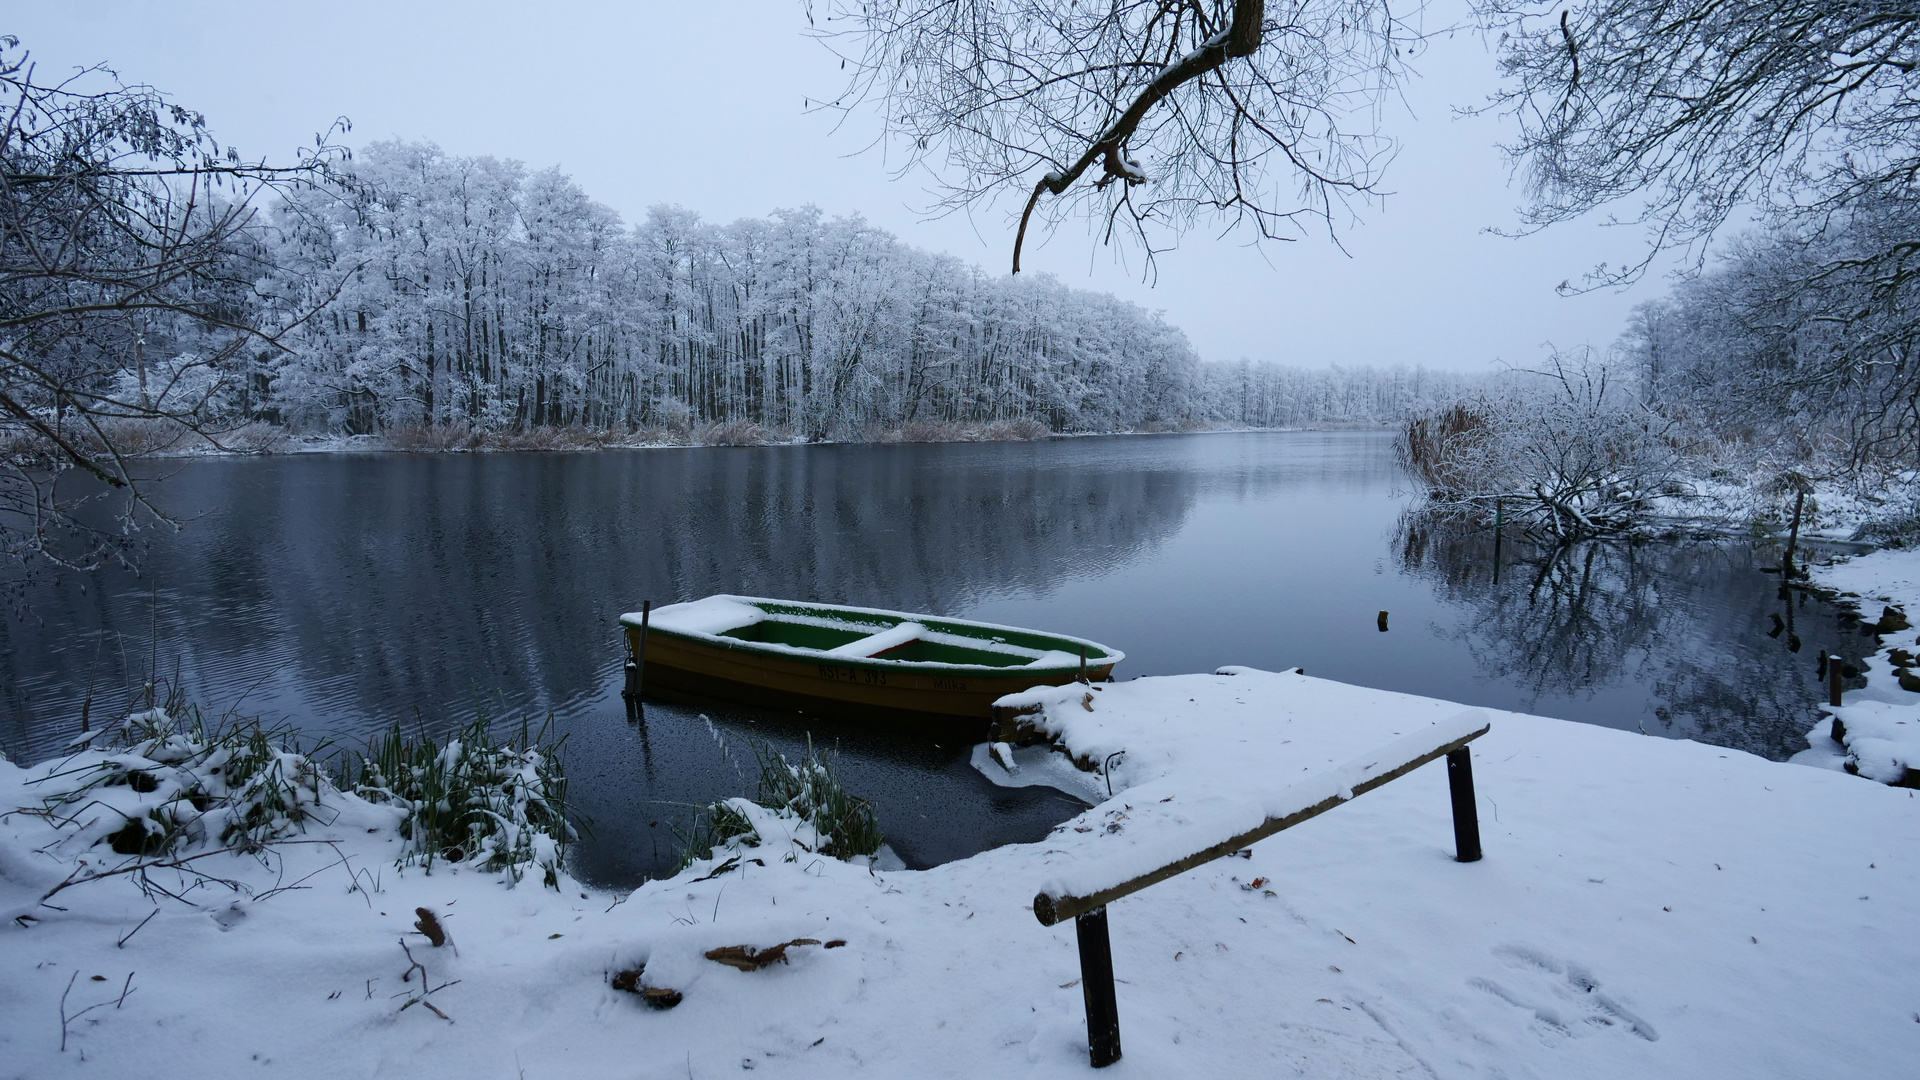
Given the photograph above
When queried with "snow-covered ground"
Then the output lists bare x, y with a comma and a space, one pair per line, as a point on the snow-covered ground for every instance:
1645, 908
1879, 726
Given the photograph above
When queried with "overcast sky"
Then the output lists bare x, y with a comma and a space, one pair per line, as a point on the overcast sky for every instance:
701, 104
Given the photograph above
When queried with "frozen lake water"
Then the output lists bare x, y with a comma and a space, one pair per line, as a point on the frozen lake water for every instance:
342, 593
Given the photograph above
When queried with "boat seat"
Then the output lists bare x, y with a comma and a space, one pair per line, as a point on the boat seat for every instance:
874, 644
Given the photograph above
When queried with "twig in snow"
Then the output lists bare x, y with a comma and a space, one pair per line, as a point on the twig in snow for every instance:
66, 1021
748, 958
340, 860
721, 869
122, 943
80, 876
426, 988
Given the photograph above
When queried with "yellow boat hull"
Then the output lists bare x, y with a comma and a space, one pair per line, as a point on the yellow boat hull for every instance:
675, 663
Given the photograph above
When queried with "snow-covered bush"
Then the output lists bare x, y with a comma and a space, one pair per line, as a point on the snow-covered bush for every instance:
806, 798
167, 786
178, 784
1568, 451
736, 433
477, 799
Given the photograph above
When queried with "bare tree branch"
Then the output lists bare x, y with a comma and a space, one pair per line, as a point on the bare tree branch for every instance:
1183, 108
129, 256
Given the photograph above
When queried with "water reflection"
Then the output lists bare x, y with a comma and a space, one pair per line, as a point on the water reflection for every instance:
1716, 641
343, 593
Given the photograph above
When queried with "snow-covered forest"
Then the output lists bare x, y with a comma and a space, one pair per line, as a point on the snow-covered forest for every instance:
1783, 367
472, 291
1798, 340
1776, 151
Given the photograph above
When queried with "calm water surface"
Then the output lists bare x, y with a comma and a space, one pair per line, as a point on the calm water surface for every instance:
342, 593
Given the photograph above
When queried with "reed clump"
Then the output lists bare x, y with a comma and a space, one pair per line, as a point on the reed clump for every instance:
167, 780
842, 825
167, 784
1440, 449
500, 804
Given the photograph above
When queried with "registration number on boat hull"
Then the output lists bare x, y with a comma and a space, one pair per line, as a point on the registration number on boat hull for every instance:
851, 675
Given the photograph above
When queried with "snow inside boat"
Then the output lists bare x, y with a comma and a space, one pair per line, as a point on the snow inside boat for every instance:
830, 658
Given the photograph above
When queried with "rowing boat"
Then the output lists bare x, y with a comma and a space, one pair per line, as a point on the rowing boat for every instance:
834, 659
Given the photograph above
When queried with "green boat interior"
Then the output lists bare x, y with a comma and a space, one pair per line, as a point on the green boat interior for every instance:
935, 652
865, 635
799, 635
858, 634
885, 642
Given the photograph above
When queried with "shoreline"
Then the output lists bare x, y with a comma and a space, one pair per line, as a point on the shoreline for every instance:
290, 445
1645, 907
1875, 731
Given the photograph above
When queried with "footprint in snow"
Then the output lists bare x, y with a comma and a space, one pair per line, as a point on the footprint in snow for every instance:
1564, 997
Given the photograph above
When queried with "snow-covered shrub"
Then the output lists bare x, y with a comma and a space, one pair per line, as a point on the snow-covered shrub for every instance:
477, 799
1020, 429
177, 783
809, 800
1568, 451
438, 437
736, 433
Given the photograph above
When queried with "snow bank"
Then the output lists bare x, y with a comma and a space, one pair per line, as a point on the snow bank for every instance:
1645, 908
1877, 727
1267, 753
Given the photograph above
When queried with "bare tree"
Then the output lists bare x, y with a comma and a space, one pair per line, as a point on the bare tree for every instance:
1794, 350
1694, 111
1568, 452
127, 270
1170, 111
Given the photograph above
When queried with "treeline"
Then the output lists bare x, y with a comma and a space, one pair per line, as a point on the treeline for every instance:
471, 292
1265, 395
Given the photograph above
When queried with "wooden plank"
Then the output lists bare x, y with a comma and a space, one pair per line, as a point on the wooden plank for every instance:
1050, 909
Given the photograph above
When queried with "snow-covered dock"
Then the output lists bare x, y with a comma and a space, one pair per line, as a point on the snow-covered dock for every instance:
1645, 908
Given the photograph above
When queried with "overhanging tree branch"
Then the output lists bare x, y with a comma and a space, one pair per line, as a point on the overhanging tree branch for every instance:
1240, 38
1180, 110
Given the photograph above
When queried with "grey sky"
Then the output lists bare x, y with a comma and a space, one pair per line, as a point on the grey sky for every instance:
701, 104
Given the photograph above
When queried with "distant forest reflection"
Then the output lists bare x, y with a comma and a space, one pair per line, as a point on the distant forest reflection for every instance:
1722, 647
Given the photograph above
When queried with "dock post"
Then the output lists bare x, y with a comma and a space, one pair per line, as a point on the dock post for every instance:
1096, 985
1466, 816
637, 656
1793, 537
1083, 666
1499, 532
1834, 677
